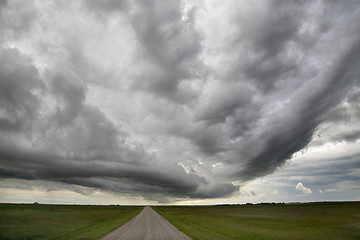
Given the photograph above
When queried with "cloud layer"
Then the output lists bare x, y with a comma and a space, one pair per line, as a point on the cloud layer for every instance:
175, 99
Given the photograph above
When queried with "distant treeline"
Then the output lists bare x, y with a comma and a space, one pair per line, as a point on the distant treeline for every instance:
248, 204
282, 203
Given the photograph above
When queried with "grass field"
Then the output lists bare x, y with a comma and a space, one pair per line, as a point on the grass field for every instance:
28, 221
328, 221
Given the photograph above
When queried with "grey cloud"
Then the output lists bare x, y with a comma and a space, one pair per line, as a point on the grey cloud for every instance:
295, 135
244, 120
268, 39
272, 31
171, 46
207, 139
3, 4
76, 60
347, 136
106, 6
348, 111
223, 101
327, 173
75, 143
110, 175
182, 118
17, 18
20, 87
342, 122
48, 186
68, 88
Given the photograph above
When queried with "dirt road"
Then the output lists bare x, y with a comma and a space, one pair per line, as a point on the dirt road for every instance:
148, 224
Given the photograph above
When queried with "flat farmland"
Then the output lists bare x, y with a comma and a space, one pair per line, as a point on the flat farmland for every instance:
330, 221
31, 221
339, 220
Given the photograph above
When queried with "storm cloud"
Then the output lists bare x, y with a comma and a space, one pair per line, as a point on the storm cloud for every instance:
175, 99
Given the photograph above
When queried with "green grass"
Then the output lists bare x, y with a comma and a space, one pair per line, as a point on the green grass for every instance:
28, 222
314, 221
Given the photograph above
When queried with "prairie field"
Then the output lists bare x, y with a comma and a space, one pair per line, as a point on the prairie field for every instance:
306, 221
333, 221
30, 221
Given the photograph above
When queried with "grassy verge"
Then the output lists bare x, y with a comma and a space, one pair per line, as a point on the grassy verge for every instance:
315, 221
28, 222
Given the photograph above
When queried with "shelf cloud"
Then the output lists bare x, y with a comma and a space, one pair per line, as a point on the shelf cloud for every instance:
175, 99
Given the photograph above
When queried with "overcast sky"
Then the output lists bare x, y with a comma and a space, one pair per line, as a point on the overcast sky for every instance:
181, 102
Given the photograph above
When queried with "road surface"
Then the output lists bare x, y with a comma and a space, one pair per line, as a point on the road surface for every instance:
148, 224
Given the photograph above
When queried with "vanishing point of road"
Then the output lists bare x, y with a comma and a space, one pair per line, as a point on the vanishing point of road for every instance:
148, 224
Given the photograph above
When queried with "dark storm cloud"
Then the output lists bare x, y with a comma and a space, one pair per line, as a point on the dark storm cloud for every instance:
310, 113
268, 40
348, 111
191, 107
70, 90
171, 44
223, 101
297, 108
76, 143
109, 173
343, 121
19, 88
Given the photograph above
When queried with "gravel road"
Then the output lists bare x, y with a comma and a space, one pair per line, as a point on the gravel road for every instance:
148, 224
